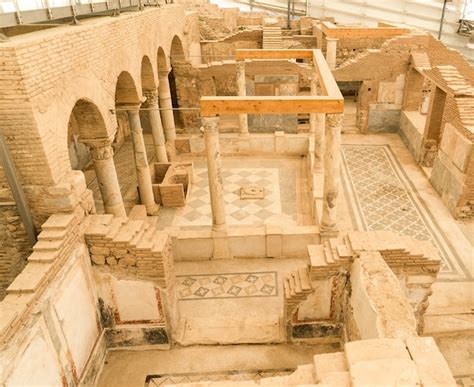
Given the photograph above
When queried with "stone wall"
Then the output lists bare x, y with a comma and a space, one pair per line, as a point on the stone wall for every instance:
14, 244
49, 323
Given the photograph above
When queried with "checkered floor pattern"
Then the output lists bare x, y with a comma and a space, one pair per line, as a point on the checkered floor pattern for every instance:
227, 285
247, 211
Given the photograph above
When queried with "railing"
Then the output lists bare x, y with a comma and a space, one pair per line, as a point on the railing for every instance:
17, 12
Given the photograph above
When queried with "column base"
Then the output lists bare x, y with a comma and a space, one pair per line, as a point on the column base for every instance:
152, 209
327, 232
171, 150
220, 240
117, 210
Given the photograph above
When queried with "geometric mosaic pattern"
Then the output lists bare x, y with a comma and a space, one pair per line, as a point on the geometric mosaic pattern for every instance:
227, 285
236, 376
386, 200
197, 211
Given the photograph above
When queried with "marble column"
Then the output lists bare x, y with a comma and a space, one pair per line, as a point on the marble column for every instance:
141, 162
317, 127
242, 92
331, 50
332, 170
216, 189
167, 113
102, 155
156, 126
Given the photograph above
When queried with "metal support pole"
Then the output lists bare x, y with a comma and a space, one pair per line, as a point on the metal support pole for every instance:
17, 191
288, 24
442, 20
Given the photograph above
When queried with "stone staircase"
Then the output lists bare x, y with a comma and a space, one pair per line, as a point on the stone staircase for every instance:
349, 123
296, 286
272, 38
132, 246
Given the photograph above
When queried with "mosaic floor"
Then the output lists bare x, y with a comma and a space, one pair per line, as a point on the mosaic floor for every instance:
385, 199
164, 380
227, 285
239, 211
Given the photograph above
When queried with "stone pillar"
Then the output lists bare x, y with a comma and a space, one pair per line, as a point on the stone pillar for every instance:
141, 162
331, 50
156, 126
102, 155
167, 112
332, 170
216, 189
317, 122
242, 92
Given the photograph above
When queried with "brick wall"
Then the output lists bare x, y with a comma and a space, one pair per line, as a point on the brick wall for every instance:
14, 245
47, 71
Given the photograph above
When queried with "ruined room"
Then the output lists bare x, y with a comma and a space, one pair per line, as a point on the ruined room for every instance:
205, 193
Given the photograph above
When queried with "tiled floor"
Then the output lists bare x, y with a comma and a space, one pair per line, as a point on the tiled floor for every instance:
227, 285
239, 211
386, 189
196, 377
385, 199
283, 183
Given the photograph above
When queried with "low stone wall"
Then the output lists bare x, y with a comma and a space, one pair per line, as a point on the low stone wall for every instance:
278, 143
410, 133
269, 241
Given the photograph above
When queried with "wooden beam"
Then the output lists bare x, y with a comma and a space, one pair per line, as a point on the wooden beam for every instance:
242, 54
213, 106
341, 32
326, 79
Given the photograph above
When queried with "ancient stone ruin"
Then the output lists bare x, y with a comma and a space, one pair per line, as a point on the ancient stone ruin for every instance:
202, 196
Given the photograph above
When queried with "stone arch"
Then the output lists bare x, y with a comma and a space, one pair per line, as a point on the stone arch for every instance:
126, 92
161, 60
177, 50
85, 123
147, 75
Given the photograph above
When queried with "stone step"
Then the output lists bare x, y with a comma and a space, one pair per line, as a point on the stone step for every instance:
115, 227
304, 279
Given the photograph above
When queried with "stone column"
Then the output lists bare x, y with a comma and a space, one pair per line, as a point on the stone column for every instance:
156, 126
332, 170
102, 155
141, 162
242, 92
331, 49
167, 112
216, 189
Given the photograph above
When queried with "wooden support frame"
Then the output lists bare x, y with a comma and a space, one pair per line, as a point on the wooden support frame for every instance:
331, 101
383, 31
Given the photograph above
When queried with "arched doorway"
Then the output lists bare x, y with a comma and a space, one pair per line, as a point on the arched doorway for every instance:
90, 150
177, 57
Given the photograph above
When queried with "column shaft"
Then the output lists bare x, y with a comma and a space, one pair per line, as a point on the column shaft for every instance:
167, 114
156, 126
220, 240
332, 170
102, 156
141, 163
211, 136
242, 91
331, 50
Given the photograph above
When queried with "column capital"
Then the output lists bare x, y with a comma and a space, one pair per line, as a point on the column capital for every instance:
334, 120
164, 72
101, 149
151, 97
331, 39
210, 124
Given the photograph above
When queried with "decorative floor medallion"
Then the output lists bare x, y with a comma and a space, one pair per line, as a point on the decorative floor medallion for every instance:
384, 198
227, 285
